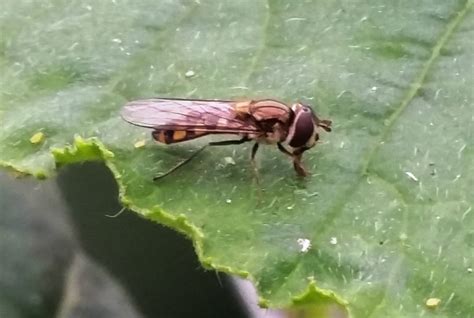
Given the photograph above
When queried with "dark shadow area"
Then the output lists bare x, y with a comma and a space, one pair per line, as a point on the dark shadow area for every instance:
156, 265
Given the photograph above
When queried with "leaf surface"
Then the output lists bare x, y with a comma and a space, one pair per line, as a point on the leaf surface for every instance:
388, 209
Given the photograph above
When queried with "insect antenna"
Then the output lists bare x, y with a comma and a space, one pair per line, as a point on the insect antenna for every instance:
325, 124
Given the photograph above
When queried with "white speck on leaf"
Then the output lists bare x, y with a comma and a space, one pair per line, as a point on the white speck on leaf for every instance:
340, 94
333, 240
139, 144
440, 251
302, 48
228, 201
295, 19
449, 299
305, 244
117, 40
411, 176
229, 161
190, 73
329, 28
73, 46
468, 210
461, 150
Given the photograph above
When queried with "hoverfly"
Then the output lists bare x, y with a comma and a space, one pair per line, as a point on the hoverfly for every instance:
264, 121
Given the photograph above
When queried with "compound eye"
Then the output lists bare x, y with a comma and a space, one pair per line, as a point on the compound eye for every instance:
304, 128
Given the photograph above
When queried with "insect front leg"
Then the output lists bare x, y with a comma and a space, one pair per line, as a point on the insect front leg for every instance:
296, 156
284, 150
299, 168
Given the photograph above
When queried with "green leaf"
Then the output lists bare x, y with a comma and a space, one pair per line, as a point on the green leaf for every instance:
388, 208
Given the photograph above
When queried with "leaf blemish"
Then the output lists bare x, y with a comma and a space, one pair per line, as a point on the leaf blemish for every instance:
304, 243
37, 138
140, 144
411, 176
189, 74
432, 302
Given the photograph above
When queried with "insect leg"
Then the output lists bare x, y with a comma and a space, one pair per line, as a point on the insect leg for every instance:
284, 150
179, 165
229, 142
254, 151
185, 161
297, 154
254, 164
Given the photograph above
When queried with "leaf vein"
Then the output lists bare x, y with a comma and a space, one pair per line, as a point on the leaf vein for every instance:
259, 52
418, 83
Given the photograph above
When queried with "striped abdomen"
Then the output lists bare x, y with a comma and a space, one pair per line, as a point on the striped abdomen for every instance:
174, 136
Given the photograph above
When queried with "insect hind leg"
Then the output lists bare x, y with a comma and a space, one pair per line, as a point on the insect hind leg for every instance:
254, 163
180, 164
185, 161
229, 142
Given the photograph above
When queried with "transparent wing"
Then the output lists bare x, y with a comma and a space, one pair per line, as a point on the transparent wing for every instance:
180, 114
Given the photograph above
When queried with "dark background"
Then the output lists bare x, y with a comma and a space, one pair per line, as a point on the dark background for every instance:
156, 266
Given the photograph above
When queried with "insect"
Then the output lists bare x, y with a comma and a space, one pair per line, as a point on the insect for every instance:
264, 121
